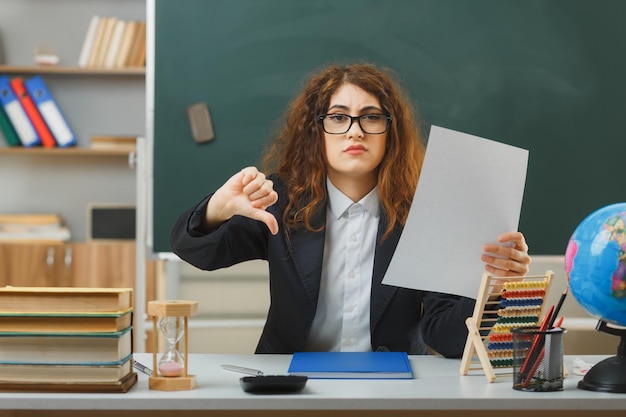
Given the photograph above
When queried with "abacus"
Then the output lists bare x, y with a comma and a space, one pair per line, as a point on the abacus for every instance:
502, 304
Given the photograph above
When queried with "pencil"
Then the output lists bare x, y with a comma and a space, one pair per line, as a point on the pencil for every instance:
532, 371
536, 346
558, 307
559, 322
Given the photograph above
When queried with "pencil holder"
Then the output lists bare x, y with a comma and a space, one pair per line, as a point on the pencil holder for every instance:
537, 359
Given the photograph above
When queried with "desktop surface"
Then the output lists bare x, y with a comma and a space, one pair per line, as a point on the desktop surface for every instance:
437, 389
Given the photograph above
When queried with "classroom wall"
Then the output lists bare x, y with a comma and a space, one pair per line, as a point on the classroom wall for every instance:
543, 75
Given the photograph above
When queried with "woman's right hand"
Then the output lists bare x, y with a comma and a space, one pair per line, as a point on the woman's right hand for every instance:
247, 193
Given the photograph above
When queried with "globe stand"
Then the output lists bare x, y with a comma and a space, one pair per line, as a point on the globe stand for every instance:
608, 375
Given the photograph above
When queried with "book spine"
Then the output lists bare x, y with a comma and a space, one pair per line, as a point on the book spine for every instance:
137, 53
97, 42
16, 113
105, 42
90, 36
47, 140
50, 111
34, 219
140, 59
58, 348
114, 46
125, 47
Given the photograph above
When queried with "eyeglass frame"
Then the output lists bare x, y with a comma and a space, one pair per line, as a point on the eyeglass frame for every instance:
321, 118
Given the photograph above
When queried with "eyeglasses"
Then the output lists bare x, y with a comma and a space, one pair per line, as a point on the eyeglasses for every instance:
338, 123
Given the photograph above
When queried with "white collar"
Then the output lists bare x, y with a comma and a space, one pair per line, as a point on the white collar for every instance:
338, 202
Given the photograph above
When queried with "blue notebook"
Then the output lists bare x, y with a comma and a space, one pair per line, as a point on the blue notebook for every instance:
351, 365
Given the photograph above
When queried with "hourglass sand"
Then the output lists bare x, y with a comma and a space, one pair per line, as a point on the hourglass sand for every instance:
170, 318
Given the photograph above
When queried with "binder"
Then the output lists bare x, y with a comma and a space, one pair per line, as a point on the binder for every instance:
10, 135
50, 111
351, 365
17, 115
39, 124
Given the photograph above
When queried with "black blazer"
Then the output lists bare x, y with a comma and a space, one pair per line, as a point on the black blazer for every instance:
399, 317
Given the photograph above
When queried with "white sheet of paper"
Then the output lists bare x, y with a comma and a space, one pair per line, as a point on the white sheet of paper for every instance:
470, 191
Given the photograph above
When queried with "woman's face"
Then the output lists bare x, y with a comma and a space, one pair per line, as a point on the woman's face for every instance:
354, 154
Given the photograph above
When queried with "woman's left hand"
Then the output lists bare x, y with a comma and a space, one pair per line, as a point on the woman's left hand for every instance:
510, 258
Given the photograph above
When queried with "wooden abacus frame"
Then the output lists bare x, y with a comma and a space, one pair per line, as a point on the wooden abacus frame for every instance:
485, 322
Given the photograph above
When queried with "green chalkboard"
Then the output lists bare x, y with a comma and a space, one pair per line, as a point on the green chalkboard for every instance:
545, 75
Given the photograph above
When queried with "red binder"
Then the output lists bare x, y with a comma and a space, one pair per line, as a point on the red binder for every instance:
29, 106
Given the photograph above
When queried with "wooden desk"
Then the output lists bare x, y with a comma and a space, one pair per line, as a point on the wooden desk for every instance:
437, 390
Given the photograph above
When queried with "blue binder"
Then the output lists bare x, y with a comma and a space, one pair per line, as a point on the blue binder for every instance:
351, 365
50, 111
17, 115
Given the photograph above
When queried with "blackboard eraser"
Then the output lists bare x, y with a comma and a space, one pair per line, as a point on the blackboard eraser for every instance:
200, 122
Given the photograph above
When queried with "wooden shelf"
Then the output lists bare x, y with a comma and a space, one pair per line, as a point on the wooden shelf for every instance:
13, 69
74, 151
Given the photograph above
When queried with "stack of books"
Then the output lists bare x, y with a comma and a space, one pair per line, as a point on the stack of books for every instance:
66, 339
30, 116
112, 43
46, 227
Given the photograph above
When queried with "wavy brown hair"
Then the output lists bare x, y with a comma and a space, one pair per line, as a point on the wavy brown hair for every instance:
298, 156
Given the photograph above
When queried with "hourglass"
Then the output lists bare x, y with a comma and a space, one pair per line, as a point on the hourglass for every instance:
170, 318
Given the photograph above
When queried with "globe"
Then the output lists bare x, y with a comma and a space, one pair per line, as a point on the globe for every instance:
595, 264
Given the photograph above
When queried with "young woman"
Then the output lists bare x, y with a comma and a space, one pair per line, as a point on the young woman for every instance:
344, 169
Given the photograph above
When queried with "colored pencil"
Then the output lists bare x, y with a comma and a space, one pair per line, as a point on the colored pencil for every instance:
555, 313
536, 347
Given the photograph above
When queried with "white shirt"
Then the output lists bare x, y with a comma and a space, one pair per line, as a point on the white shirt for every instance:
342, 319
